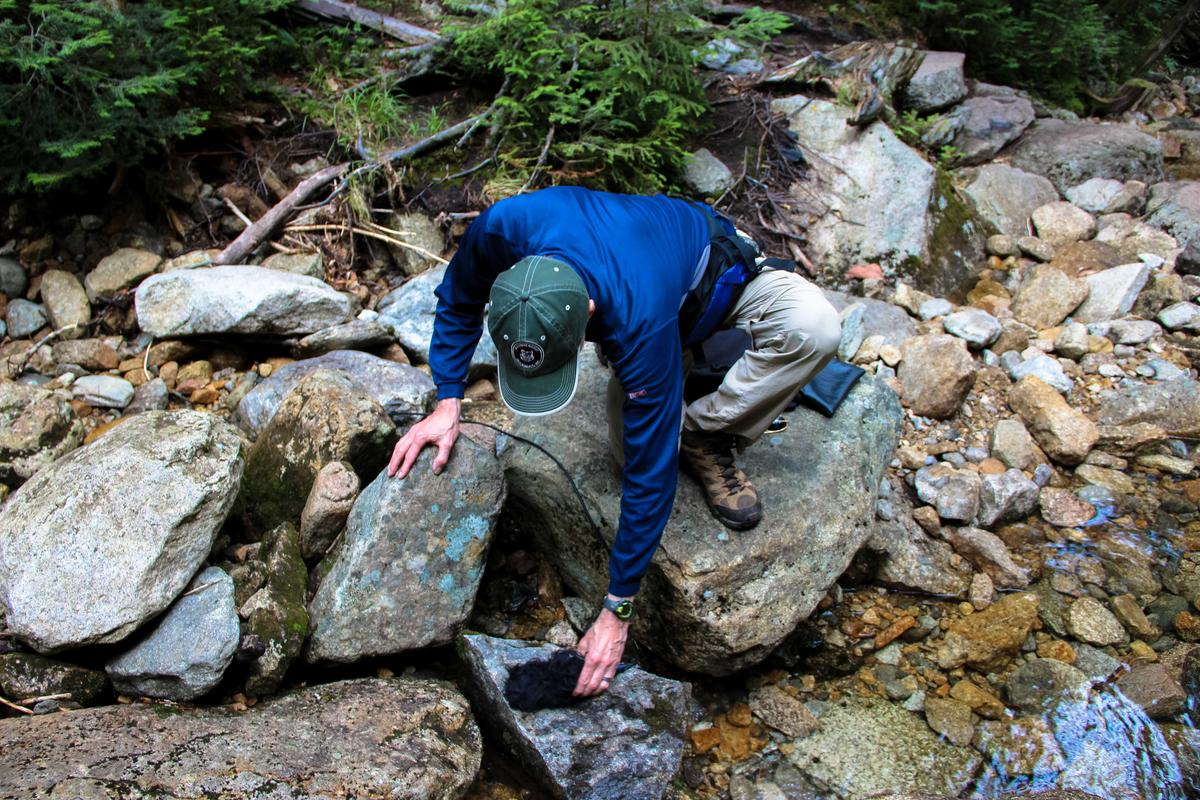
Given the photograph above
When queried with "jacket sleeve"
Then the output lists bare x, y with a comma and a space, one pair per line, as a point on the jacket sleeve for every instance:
482, 255
652, 380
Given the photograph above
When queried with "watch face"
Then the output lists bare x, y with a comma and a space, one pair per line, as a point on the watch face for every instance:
624, 609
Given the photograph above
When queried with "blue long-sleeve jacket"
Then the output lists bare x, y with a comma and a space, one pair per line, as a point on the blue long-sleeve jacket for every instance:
637, 256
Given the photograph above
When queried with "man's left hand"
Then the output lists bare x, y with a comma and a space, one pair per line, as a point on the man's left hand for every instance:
601, 648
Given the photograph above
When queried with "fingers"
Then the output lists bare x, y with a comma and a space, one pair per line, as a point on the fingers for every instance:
410, 456
398, 453
444, 446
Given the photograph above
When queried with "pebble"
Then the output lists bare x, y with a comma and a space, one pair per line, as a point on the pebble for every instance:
1089, 621
936, 307
1181, 316
24, 318
103, 391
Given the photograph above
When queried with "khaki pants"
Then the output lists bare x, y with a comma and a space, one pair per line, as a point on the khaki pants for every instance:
794, 332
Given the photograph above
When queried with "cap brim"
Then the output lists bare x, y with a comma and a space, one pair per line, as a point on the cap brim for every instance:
542, 394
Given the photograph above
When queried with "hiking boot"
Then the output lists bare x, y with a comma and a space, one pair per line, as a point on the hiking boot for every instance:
708, 457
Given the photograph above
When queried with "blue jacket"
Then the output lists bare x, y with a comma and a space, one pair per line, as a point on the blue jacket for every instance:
637, 256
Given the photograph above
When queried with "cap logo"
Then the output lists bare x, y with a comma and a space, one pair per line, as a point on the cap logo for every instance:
528, 355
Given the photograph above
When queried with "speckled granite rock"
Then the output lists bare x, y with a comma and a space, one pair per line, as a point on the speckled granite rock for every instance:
36, 427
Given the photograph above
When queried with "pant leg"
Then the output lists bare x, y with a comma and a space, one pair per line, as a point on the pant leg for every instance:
794, 332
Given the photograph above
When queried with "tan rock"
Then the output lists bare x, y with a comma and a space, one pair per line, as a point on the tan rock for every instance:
329, 502
779, 710
1047, 296
1058, 650
981, 701
1063, 509
936, 373
1066, 435
91, 354
66, 303
988, 638
122, 270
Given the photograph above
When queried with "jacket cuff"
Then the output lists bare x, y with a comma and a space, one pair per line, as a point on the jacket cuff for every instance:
624, 588
451, 389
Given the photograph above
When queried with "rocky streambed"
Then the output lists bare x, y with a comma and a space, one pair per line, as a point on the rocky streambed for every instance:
981, 576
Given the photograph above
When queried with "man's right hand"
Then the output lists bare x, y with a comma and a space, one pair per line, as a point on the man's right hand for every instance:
440, 428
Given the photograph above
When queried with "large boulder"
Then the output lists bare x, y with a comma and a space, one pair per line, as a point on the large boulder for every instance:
865, 747
404, 391
713, 601
905, 218
24, 675
400, 738
1006, 197
189, 649
325, 419
1173, 406
409, 311
37, 426
105, 538
237, 299
628, 742
986, 124
410, 561
1069, 153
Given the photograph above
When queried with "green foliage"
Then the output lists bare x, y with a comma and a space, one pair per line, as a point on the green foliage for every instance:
610, 83
1057, 48
758, 25
84, 87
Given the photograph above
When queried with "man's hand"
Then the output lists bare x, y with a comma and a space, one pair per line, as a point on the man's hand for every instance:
440, 428
601, 647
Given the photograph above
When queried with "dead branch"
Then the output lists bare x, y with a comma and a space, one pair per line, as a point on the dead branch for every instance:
14, 706
347, 12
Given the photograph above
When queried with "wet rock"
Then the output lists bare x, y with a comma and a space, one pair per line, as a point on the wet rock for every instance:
1047, 296
1089, 621
13, 279
188, 650
951, 719
1062, 508
404, 391
1117, 482
986, 639
936, 84
987, 553
1112, 293
706, 174
425, 239
66, 303
977, 328
1181, 316
713, 602
25, 675
981, 701
417, 542
1106, 196
123, 269
103, 391
870, 176
1129, 612
87, 557
1006, 196
865, 747
986, 124
936, 373
627, 742
1060, 223
1022, 746
37, 426
354, 335
325, 419
405, 739
954, 492
1066, 435
276, 613
409, 311
1069, 153
328, 505
1173, 406
237, 299
24, 318
310, 264
1149, 685
1012, 444
1042, 683
982, 592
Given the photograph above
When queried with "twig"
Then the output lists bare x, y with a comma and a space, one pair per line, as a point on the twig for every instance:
347, 12
491, 108
31, 351
372, 234
15, 707
201, 588
464, 173
237, 211
31, 700
540, 162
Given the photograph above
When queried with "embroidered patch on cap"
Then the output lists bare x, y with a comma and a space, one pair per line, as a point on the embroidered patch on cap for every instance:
528, 355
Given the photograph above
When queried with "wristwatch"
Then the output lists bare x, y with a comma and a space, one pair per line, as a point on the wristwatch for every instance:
621, 609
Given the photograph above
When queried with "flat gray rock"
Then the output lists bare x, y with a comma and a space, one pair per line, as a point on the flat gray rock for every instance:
707, 175
1112, 293
356, 334
405, 392
974, 326
189, 649
714, 600
410, 561
1174, 406
937, 83
1069, 153
24, 318
878, 318
104, 539
103, 391
1006, 196
237, 299
865, 747
1181, 316
986, 124
1175, 207
396, 738
625, 743
409, 310
1107, 196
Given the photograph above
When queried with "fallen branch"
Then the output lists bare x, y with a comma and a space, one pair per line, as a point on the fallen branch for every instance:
373, 234
14, 706
346, 12
29, 701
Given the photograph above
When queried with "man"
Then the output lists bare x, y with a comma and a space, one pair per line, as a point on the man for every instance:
567, 264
